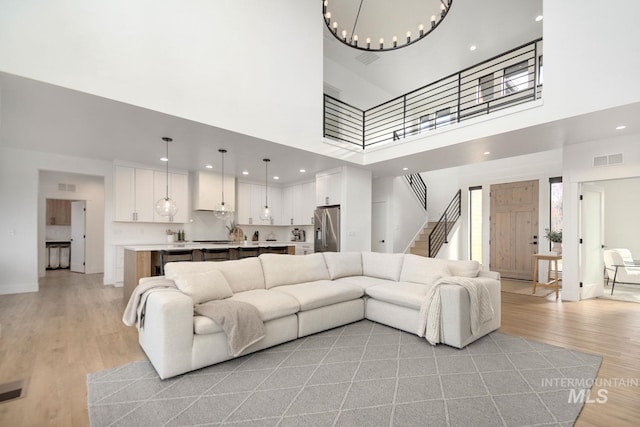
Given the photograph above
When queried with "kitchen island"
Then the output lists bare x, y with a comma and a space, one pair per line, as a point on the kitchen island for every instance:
144, 260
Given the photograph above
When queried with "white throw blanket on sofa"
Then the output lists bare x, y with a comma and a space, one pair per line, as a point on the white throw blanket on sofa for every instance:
481, 310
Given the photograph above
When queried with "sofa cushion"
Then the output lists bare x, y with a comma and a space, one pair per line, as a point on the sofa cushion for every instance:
282, 270
320, 293
203, 286
405, 294
382, 265
464, 268
269, 304
420, 269
343, 264
363, 281
242, 274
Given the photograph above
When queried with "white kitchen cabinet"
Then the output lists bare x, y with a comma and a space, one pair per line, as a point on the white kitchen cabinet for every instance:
243, 211
133, 200
251, 200
275, 203
329, 188
287, 205
298, 204
136, 191
308, 204
305, 248
207, 191
178, 191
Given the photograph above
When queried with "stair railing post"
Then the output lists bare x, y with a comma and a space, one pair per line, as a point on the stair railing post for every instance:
446, 228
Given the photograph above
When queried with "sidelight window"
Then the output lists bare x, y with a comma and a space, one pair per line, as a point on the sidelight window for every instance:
475, 223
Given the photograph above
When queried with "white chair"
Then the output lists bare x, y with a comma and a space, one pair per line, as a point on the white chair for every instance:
621, 266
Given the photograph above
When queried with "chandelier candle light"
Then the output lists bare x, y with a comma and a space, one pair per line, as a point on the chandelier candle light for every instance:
222, 212
166, 206
380, 20
266, 213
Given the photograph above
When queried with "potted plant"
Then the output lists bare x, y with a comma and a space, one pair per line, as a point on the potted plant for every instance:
555, 237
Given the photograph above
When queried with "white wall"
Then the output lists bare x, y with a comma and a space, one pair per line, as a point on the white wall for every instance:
88, 188
19, 181
248, 66
353, 89
355, 210
588, 52
577, 168
621, 210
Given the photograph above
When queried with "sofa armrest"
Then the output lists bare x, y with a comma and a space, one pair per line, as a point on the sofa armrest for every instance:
490, 274
167, 335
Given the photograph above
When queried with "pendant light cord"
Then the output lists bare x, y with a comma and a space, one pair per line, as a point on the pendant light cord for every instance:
222, 151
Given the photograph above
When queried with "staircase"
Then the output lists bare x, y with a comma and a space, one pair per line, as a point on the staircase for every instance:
421, 244
435, 234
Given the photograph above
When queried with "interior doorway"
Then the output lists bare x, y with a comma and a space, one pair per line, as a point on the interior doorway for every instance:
513, 228
78, 236
378, 227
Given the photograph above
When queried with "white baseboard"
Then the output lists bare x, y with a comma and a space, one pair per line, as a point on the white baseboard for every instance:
19, 288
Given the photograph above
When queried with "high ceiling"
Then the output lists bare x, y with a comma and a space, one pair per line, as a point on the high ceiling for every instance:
493, 26
42, 117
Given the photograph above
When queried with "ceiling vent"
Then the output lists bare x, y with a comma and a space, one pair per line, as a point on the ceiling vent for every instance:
607, 160
66, 187
331, 90
367, 58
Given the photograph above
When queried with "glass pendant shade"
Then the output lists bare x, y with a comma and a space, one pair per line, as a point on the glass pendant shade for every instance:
222, 212
166, 206
266, 212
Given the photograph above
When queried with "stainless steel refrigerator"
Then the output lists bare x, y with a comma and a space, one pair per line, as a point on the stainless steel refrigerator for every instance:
327, 229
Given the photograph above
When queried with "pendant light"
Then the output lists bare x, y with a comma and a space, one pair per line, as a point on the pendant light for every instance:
223, 212
166, 206
266, 212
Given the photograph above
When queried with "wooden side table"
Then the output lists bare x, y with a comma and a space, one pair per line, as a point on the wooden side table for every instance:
551, 283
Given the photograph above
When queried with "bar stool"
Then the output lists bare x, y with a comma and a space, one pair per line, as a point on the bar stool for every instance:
221, 254
170, 253
246, 252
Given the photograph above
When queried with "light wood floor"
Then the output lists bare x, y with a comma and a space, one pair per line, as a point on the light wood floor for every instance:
73, 326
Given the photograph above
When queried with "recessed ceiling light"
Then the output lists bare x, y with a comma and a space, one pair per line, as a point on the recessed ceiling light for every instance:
405, 169
208, 166
164, 159
621, 127
538, 18
245, 172
486, 153
276, 177
303, 170
473, 47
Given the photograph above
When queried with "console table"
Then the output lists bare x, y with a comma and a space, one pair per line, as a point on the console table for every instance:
552, 282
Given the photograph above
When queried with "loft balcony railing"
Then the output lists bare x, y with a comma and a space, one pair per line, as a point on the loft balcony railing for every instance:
509, 79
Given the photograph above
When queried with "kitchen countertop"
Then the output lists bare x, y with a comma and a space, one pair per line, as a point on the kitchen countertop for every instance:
192, 245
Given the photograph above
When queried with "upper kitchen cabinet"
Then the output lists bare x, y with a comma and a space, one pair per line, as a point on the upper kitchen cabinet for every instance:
251, 200
133, 199
136, 191
207, 191
329, 188
298, 204
178, 191
58, 212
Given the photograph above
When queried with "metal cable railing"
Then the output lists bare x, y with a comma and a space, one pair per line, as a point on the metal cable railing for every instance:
509, 79
440, 233
419, 188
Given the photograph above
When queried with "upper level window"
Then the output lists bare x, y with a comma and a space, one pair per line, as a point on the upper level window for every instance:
516, 77
443, 117
485, 88
540, 69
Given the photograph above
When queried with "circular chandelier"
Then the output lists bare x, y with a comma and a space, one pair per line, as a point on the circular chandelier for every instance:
382, 25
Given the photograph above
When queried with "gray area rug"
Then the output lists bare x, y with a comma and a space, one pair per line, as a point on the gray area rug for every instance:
362, 374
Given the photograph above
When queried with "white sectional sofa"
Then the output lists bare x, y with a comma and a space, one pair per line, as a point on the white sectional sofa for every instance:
301, 295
